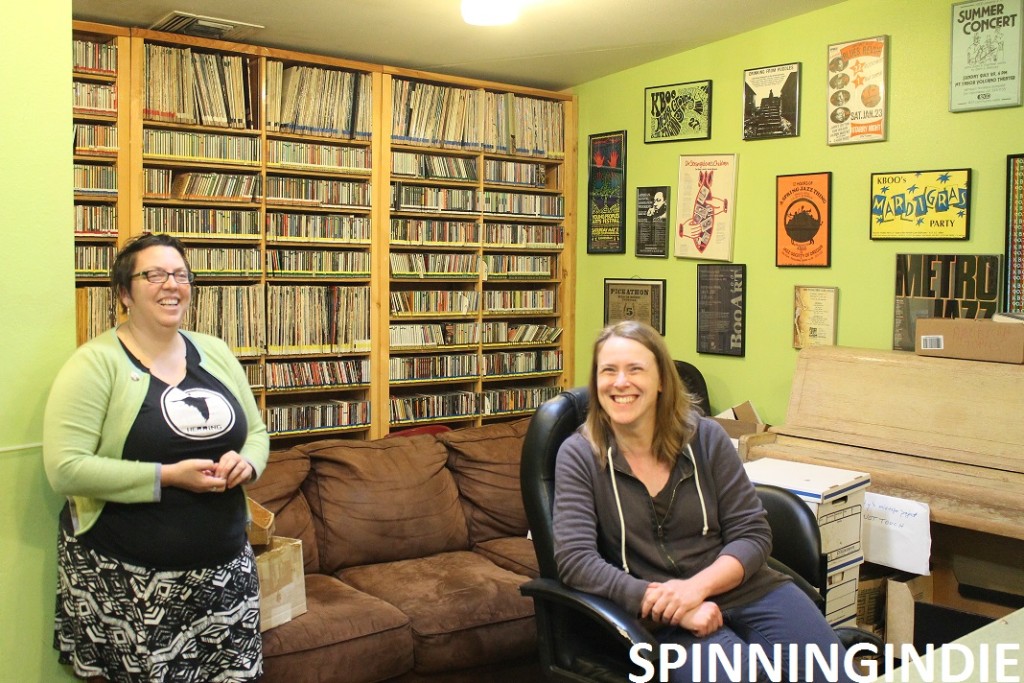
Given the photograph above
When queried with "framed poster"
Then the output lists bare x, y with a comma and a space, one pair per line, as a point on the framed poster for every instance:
985, 55
771, 102
681, 111
652, 219
1015, 232
606, 194
857, 91
943, 286
803, 219
722, 309
635, 299
705, 207
814, 316
921, 205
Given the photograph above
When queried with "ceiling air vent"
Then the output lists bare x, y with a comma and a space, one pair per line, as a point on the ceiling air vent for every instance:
205, 27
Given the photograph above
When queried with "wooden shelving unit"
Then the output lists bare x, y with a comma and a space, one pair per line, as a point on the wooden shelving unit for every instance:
367, 279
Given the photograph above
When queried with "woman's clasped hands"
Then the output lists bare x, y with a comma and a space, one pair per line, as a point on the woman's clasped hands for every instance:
678, 603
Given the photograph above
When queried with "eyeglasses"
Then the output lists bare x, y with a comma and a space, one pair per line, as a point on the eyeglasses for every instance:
158, 276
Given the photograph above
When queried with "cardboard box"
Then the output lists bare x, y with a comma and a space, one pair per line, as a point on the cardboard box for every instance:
740, 420
261, 524
836, 496
970, 339
871, 584
282, 582
902, 592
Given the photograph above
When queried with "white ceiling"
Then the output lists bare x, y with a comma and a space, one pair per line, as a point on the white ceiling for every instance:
554, 45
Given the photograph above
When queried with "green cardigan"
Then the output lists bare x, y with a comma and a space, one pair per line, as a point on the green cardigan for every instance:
92, 405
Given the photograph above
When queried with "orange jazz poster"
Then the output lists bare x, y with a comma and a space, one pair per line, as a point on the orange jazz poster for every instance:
803, 220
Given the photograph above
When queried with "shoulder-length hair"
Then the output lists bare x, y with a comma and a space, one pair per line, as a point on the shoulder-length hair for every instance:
676, 417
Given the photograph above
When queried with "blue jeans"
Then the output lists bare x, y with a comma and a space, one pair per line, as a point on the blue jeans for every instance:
784, 616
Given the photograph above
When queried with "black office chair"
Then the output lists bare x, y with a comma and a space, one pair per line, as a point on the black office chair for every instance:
694, 382
583, 637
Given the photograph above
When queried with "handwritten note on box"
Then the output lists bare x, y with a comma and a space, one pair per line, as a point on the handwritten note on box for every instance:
896, 533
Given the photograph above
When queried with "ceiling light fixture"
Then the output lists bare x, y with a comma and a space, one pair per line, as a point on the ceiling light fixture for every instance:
490, 12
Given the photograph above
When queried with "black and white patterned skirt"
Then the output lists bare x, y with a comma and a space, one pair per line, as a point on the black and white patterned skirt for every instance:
131, 624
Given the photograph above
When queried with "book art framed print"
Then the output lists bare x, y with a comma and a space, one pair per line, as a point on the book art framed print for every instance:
722, 309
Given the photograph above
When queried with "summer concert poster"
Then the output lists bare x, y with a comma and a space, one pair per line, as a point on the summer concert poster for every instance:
985, 55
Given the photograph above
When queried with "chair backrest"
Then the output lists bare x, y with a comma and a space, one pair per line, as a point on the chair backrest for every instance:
693, 379
796, 537
552, 424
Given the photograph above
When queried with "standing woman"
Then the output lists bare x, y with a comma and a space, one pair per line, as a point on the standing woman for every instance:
654, 511
151, 431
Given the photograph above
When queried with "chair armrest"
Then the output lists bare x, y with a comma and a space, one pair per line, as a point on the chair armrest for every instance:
627, 628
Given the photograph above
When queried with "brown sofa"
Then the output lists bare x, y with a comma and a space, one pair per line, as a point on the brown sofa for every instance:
414, 550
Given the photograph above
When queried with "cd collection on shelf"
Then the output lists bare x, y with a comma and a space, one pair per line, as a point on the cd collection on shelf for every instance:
313, 194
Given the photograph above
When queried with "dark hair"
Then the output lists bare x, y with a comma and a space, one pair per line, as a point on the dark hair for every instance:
676, 419
124, 263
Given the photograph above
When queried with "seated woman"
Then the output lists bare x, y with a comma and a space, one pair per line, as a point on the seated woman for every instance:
654, 511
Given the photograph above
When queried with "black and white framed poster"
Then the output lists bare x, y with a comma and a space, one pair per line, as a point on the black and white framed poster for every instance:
771, 102
652, 220
722, 309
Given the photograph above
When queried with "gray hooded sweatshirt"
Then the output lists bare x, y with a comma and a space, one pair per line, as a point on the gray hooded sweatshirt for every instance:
671, 536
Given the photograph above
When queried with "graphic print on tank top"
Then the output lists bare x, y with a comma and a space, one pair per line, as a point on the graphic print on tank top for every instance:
197, 412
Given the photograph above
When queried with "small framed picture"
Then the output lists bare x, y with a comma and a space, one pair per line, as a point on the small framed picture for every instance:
803, 219
652, 221
677, 112
722, 309
1014, 297
856, 102
635, 299
921, 205
814, 316
771, 102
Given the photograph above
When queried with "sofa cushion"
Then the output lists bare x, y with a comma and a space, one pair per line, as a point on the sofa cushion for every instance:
485, 462
278, 490
382, 500
464, 610
344, 636
514, 553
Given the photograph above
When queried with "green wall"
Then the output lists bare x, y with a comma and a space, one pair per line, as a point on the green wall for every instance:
36, 278
37, 334
922, 135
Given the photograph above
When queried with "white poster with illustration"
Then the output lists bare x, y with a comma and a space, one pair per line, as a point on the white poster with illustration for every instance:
985, 55
706, 207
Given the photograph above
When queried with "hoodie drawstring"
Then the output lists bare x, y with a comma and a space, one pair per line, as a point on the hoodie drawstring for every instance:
622, 518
